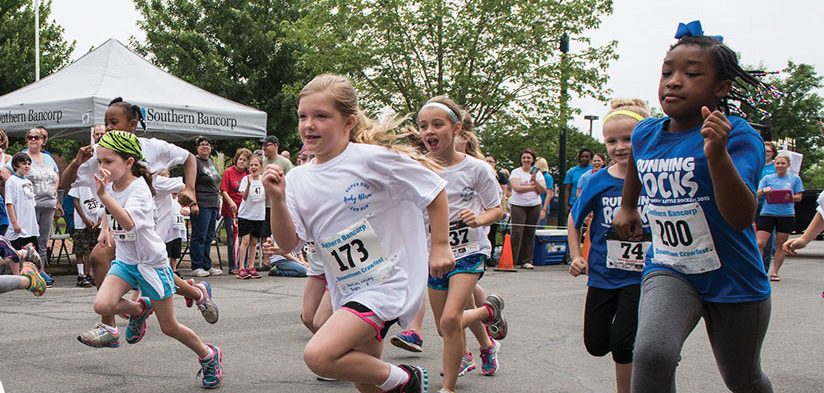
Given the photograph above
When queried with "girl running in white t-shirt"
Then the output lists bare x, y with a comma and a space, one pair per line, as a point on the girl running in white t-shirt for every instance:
158, 155
363, 206
124, 187
474, 203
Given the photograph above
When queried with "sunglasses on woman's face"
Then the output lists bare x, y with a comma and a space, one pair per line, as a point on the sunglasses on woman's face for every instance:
34, 137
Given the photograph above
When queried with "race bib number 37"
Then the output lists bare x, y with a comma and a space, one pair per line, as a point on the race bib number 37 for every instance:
355, 259
681, 238
462, 239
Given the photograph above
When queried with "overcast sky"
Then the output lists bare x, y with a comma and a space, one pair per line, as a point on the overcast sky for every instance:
763, 32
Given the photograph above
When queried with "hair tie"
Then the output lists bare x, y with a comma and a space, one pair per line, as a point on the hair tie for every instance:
693, 29
625, 113
449, 111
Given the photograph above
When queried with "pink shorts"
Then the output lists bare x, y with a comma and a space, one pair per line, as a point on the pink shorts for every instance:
368, 316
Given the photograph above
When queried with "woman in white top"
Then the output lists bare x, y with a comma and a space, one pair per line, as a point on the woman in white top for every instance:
525, 205
367, 224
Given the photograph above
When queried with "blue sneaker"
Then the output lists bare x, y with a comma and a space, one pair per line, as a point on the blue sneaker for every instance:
137, 323
409, 340
48, 279
211, 368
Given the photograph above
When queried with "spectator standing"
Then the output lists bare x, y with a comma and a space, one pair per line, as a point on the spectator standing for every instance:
44, 178
781, 190
598, 162
87, 214
204, 212
525, 205
270, 145
573, 176
230, 191
503, 181
546, 196
770, 151
4, 175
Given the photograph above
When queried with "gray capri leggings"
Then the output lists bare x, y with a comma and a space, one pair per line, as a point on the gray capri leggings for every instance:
669, 310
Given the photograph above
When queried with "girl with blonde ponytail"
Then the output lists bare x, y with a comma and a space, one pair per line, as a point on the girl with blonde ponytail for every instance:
361, 202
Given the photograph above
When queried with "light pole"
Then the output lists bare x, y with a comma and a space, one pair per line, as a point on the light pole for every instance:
591, 118
562, 159
36, 40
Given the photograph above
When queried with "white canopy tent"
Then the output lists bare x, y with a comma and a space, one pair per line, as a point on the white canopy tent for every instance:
75, 98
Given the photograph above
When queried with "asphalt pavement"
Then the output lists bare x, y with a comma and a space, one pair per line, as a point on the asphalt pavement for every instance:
262, 338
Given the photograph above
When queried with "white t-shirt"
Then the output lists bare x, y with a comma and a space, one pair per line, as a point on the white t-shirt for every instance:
530, 198
89, 203
169, 223
252, 208
142, 244
157, 154
20, 194
364, 207
470, 184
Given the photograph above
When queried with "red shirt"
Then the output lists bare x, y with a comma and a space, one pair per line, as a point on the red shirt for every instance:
231, 184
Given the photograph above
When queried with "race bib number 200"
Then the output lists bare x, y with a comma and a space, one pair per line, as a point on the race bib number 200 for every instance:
681, 238
355, 258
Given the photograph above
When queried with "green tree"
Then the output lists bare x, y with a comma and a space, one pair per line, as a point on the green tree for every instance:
17, 44
498, 58
233, 48
795, 117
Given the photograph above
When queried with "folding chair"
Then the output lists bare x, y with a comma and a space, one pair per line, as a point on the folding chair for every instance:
58, 236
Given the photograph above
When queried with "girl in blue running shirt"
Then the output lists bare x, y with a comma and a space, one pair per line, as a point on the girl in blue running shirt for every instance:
614, 266
699, 167
124, 187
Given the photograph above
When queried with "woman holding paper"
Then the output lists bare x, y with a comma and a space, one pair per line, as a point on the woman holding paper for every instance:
781, 190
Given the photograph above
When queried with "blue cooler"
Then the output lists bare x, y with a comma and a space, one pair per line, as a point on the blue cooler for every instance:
550, 247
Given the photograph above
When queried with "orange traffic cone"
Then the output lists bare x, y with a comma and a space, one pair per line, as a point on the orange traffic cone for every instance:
587, 242
505, 263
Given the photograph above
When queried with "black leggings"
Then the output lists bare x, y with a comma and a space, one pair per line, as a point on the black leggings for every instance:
610, 321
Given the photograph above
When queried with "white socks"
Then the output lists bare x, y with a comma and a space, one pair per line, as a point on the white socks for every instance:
396, 377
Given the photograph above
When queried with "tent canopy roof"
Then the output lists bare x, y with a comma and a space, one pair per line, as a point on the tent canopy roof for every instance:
71, 100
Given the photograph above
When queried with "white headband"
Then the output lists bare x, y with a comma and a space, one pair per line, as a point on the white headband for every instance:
450, 112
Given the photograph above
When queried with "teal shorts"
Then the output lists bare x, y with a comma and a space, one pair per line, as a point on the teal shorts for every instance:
154, 283
472, 264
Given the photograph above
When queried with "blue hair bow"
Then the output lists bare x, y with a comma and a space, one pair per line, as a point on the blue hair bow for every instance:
693, 29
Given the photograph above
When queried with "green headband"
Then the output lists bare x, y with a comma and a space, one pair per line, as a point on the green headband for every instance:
122, 142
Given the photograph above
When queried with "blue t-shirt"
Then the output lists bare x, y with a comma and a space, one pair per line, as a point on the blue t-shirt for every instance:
787, 182
572, 177
768, 169
585, 179
674, 172
602, 197
4, 215
550, 184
